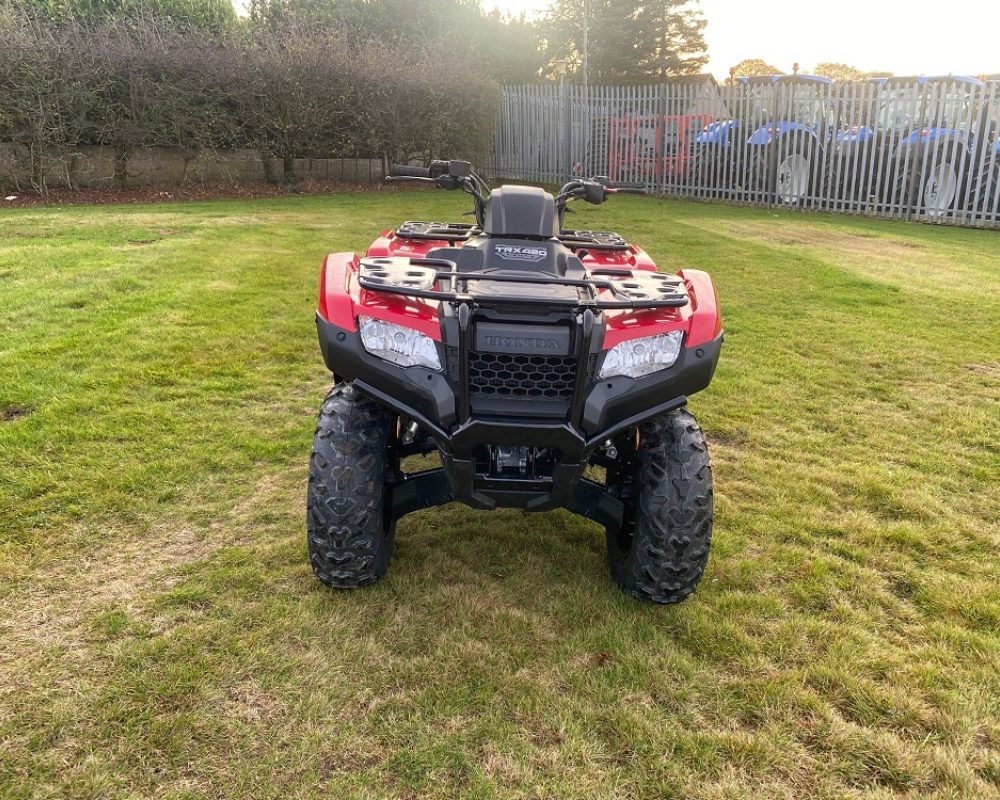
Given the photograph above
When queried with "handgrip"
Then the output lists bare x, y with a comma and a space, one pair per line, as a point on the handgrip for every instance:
406, 171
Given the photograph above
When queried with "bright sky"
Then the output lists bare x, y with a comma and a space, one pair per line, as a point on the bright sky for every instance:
908, 38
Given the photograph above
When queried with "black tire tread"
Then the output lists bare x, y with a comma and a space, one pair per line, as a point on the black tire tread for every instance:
349, 538
672, 531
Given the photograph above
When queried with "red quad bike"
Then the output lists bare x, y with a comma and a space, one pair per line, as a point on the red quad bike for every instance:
523, 353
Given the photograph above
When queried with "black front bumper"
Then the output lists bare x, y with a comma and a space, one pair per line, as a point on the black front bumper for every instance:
439, 402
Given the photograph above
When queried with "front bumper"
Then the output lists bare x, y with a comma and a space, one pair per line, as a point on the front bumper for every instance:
439, 403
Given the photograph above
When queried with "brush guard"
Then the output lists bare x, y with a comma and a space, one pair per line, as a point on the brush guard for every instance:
420, 277
459, 423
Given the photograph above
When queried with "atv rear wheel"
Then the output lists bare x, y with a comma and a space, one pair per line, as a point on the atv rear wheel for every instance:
661, 551
349, 503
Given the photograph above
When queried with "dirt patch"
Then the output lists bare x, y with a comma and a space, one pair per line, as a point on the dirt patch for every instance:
247, 701
158, 194
910, 266
818, 238
992, 369
52, 612
727, 438
10, 413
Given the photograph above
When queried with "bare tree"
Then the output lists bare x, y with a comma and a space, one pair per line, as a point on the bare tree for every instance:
49, 80
290, 93
139, 80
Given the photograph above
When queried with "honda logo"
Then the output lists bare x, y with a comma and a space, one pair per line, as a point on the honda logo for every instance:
522, 342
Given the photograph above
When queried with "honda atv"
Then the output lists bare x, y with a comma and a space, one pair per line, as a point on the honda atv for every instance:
548, 368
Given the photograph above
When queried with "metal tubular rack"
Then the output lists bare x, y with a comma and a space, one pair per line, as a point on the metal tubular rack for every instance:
631, 290
438, 231
592, 240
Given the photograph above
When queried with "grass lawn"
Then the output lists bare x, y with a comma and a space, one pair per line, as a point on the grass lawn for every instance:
161, 634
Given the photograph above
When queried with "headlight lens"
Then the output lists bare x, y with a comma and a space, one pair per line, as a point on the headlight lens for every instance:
400, 345
638, 357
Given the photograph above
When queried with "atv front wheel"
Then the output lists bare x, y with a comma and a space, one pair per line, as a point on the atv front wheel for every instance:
661, 550
349, 503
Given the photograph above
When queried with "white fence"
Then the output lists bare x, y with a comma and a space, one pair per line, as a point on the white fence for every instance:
918, 149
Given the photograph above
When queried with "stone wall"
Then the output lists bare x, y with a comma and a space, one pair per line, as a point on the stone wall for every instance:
94, 166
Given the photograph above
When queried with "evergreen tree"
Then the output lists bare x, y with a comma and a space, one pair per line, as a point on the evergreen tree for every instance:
628, 42
506, 47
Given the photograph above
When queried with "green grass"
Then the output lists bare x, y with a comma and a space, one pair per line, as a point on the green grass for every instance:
161, 634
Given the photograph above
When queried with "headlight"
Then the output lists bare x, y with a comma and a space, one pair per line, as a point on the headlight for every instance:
398, 344
638, 357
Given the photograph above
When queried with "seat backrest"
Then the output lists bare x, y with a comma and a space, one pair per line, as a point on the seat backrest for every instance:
516, 212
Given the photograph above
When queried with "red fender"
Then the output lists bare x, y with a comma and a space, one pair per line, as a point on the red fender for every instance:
335, 305
706, 319
341, 300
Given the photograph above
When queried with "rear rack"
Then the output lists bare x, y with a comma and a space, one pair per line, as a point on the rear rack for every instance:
463, 231
415, 277
442, 231
593, 240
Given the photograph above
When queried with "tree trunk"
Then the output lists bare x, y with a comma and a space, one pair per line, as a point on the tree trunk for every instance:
288, 168
268, 164
72, 168
38, 170
121, 166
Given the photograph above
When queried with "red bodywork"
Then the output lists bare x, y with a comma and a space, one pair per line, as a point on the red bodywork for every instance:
342, 300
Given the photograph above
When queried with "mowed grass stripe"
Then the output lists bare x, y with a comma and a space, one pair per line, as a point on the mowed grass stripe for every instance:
163, 635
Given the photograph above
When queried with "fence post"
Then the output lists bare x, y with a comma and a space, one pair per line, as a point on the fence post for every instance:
567, 123
661, 111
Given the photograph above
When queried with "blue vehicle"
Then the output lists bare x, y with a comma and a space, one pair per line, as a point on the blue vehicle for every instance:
790, 119
929, 146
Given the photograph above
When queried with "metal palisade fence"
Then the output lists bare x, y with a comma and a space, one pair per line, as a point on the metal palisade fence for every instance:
912, 148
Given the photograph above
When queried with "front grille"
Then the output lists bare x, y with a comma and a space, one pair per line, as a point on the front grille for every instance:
534, 377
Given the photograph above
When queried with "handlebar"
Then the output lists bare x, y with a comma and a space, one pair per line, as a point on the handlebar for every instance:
460, 175
406, 171
593, 190
453, 174
621, 186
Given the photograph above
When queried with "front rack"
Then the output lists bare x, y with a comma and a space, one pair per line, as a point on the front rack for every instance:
414, 277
